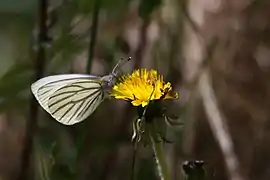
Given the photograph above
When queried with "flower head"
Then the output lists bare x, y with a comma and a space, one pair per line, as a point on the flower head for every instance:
141, 86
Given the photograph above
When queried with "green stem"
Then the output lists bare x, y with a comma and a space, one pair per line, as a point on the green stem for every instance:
32, 124
133, 170
93, 35
159, 154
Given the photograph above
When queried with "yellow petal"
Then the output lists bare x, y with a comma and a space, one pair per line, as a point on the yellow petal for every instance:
142, 83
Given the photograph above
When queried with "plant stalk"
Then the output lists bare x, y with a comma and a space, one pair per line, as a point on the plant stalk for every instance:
159, 154
31, 125
93, 35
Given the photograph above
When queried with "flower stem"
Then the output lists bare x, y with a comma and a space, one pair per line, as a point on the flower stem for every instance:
159, 154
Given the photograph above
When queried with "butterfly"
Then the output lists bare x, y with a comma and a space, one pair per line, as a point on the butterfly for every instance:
71, 98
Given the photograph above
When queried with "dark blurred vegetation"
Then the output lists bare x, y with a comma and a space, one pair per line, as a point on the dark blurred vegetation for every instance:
188, 41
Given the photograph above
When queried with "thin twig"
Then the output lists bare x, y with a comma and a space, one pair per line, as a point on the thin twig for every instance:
219, 126
93, 35
40, 62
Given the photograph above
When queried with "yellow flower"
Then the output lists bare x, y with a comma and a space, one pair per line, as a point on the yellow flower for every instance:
141, 86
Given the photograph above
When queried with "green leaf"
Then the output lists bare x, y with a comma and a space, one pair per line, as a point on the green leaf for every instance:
15, 84
44, 160
64, 51
86, 6
147, 7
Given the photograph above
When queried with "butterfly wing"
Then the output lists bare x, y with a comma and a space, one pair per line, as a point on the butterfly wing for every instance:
74, 102
69, 98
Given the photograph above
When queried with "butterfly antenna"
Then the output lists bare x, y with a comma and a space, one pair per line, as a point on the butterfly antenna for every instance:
120, 63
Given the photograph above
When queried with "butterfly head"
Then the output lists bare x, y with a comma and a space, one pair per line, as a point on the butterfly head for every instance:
108, 80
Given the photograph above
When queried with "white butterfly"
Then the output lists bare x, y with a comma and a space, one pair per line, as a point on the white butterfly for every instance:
71, 98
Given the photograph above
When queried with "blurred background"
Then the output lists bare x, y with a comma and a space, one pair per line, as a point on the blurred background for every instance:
216, 54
